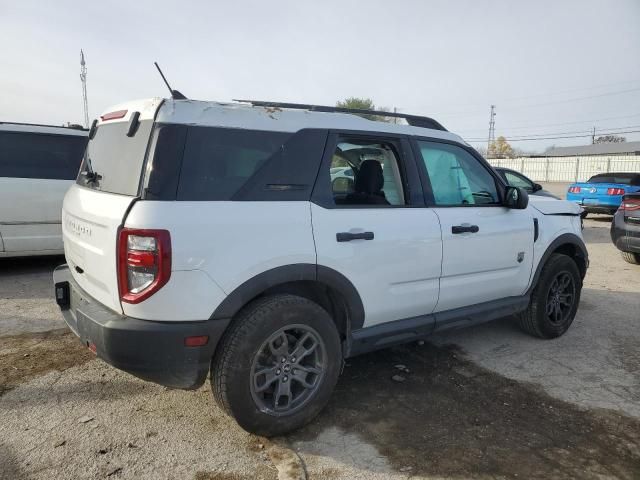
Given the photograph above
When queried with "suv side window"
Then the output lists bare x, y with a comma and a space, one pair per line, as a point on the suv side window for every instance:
366, 172
518, 181
37, 155
457, 178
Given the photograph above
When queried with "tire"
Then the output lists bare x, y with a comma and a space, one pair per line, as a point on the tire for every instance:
255, 342
536, 319
584, 214
631, 257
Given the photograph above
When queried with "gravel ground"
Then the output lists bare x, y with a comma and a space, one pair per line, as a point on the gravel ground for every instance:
487, 402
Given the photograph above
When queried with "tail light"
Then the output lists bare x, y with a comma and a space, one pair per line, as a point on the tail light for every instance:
615, 191
574, 189
630, 205
144, 263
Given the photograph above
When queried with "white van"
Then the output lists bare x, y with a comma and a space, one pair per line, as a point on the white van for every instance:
38, 163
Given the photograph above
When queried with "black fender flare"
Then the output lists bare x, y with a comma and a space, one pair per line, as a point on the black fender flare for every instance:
258, 284
564, 239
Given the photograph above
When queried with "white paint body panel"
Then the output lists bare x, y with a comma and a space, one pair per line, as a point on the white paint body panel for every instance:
483, 266
397, 273
30, 214
240, 115
90, 222
231, 242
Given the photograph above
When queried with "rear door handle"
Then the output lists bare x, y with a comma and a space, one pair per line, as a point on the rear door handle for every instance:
348, 236
466, 228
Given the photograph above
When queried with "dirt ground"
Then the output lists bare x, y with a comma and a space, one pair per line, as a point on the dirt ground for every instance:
487, 402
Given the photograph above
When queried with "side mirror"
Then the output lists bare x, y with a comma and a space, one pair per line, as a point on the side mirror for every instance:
537, 187
516, 198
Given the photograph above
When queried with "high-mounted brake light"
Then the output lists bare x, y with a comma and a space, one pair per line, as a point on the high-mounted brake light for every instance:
113, 115
144, 263
615, 191
574, 189
630, 205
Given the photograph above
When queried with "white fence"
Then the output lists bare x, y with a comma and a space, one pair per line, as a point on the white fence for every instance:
568, 169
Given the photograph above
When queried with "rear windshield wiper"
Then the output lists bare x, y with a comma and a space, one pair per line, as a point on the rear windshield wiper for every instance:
89, 174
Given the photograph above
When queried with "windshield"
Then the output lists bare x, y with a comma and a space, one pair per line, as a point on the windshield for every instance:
115, 159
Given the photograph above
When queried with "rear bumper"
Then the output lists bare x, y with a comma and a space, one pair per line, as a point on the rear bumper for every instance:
150, 350
625, 235
602, 204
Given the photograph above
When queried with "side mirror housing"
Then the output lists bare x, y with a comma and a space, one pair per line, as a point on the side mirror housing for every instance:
537, 187
516, 198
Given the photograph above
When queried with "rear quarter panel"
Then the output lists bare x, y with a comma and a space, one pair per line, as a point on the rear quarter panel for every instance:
216, 247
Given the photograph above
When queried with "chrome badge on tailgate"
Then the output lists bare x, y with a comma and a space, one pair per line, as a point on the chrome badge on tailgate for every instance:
78, 227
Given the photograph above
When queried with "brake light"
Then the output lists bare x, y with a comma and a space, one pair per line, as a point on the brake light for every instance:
574, 189
615, 191
630, 205
113, 115
144, 263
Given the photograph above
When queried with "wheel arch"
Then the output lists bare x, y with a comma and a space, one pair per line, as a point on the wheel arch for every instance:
567, 244
323, 285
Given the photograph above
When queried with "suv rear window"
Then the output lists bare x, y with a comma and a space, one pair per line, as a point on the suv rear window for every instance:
217, 162
115, 158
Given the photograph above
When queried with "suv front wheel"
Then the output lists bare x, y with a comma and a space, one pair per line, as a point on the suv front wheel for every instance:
554, 300
277, 365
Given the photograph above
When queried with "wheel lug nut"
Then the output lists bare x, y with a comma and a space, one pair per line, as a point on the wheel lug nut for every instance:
285, 378
293, 359
278, 372
283, 359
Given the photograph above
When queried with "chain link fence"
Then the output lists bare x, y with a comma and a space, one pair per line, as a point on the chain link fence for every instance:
568, 169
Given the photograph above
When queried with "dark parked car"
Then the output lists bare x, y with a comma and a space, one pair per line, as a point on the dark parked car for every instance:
625, 228
516, 179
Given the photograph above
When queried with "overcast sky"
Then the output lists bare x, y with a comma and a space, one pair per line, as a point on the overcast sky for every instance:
550, 67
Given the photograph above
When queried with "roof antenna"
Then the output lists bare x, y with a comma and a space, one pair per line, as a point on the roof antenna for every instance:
175, 94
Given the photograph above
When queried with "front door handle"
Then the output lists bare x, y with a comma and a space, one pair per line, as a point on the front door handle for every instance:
466, 228
348, 236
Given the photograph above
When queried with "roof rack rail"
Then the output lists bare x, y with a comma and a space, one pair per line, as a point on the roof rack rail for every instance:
73, 126
413, 120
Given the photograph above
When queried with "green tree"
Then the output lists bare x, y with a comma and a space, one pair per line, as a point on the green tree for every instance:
362, 104
500, 148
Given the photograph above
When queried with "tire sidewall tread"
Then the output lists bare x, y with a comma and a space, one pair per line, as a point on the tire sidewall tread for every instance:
534, 319
231, 365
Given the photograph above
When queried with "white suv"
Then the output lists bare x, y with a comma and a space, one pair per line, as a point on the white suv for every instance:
208, 237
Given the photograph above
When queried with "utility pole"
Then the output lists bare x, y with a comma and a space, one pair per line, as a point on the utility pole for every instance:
395, 119
492, 128
83, 79
593, 136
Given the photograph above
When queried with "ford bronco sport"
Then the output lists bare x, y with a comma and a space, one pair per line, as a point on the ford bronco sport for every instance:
205, 237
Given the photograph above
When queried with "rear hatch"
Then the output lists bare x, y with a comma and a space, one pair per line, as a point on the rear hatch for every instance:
107, 185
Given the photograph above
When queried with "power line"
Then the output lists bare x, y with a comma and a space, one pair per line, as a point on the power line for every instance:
521, 127
554, 138
556, 102
531, 135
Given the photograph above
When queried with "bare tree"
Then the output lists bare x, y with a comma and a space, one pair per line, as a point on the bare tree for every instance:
610, 139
